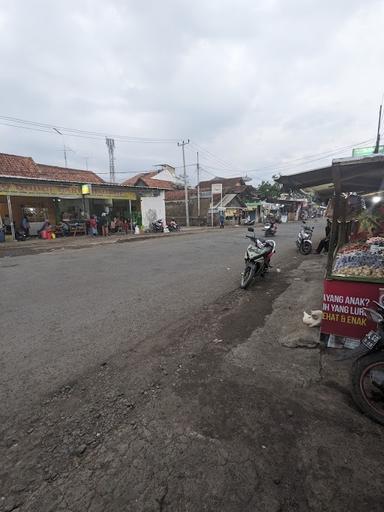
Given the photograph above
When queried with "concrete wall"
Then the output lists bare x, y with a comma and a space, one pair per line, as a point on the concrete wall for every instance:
176, 210
152, 209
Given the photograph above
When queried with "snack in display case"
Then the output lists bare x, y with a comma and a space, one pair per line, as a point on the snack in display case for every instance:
361, 259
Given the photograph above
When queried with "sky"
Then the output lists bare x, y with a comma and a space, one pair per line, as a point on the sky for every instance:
259, 87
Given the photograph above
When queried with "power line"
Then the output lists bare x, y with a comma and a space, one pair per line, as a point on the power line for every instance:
226, 163
45, 127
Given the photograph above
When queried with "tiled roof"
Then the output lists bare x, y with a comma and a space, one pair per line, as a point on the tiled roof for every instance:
52, 172
25, 167
228, 183
146, 179
21, 166
179, 195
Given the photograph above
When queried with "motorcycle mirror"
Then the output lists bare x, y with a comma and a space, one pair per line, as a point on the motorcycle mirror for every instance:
376, 317
251, 229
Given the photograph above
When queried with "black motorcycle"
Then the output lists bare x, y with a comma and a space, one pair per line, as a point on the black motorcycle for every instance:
257, 259
367, 374
21, 236
158, 226
270, 229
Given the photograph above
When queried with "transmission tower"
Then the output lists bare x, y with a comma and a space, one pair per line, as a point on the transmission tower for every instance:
111, 148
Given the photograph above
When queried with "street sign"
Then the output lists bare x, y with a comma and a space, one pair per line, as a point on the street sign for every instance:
217, 188
366, 151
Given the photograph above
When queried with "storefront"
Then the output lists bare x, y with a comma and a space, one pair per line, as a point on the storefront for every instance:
355, 268
55, 201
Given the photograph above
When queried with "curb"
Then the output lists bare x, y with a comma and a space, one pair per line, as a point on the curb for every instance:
20, 249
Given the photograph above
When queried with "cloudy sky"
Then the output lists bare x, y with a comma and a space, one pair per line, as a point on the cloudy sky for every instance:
258, 86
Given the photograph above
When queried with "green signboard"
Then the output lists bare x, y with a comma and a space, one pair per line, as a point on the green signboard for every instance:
366, 151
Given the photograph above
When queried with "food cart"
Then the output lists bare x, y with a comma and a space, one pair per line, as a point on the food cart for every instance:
355, 267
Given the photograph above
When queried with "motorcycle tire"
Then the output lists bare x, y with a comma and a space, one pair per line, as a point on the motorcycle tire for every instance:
358, 373
306, 248
248, 275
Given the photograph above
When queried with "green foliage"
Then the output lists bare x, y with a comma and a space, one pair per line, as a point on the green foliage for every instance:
267, 189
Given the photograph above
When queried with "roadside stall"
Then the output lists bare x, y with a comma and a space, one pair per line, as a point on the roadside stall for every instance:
355, 267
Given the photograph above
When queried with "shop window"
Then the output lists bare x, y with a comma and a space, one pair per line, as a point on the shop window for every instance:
35, 214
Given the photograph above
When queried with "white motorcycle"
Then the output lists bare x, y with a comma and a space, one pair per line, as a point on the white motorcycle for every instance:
304, 239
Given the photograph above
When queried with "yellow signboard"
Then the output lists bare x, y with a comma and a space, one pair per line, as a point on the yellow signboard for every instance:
69, 190
101, 192
86, 189
39, 189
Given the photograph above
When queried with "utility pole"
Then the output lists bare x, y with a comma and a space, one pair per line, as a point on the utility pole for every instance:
198, 184
182, 144
377, 147
111, 148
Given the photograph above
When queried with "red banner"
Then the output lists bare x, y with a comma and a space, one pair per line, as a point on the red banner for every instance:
343, 303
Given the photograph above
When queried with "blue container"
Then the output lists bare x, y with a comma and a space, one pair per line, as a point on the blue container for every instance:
2, 235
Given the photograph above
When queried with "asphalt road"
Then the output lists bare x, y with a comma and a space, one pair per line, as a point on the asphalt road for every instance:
139, 377
65, 312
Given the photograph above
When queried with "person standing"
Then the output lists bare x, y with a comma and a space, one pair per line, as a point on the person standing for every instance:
93, 225
222, 219
324, 243
24, 225
104, 224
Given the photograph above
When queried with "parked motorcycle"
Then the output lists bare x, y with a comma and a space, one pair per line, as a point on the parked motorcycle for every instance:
21, 236
270, 229
367, 373
158, 226
257, 258
304, 239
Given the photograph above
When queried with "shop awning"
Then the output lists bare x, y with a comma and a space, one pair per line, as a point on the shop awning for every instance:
253, 205
361, 175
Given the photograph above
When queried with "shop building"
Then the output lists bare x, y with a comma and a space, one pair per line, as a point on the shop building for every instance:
355, 268
45, 192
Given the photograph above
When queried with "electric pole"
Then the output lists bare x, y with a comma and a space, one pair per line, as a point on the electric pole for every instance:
198, 183
182, 144
377, 147
111, 148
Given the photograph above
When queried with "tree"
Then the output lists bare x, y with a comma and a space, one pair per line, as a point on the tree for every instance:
268, 190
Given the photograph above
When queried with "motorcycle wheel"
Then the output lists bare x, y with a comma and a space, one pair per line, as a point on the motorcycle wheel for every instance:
248, 275
367, 379
306, 248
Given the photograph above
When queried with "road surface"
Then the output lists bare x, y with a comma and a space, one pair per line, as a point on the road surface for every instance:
65, 312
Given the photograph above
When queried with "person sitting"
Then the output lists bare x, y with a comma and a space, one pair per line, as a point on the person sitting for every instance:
45, 227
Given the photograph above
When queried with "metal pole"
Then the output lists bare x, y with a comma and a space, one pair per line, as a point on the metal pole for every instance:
182, 144
11, 216
198, 185
130, 214
377, 147
65, 156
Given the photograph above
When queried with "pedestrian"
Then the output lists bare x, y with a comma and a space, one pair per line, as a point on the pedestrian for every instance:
324, 242
222, 219
125, 225
93, 225
24, 225
104, 224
